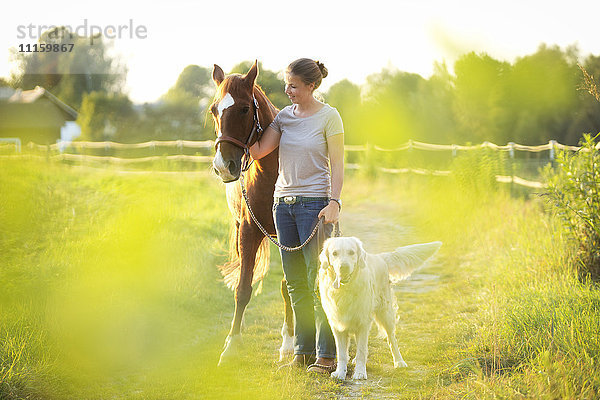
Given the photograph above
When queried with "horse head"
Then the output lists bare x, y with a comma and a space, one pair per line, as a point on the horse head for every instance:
235, 112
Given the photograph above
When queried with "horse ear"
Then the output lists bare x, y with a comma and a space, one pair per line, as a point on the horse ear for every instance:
218, 75
250, 77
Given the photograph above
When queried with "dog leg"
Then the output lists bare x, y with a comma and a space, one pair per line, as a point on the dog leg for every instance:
387, 320
362, 346
398, 360
341, 344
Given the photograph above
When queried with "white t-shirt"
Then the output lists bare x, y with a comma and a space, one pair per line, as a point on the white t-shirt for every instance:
303, 151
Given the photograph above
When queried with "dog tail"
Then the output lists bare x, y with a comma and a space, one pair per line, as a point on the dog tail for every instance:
404, 260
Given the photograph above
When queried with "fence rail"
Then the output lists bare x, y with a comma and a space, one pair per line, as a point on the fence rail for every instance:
65, 149
208, 144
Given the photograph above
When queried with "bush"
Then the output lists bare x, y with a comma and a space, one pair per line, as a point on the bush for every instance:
574, 194
476, 170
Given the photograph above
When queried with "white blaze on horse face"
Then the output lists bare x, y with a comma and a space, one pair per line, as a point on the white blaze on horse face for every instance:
226, 102
218, 162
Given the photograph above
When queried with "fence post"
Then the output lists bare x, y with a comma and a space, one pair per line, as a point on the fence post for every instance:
180, 147
511, 150
410, 156
511, 155
368, 162
552, 144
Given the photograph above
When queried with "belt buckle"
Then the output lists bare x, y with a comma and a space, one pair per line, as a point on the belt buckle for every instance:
289, 199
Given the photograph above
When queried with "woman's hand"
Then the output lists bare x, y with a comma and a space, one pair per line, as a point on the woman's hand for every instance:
331, 213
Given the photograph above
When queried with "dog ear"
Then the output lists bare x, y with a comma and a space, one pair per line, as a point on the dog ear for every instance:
324, 256
361, 254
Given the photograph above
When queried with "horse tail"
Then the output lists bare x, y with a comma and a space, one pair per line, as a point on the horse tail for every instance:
261, 264
231, 269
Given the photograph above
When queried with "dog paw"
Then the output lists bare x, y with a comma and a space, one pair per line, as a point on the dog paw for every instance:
338, 374
358, 374
400, 364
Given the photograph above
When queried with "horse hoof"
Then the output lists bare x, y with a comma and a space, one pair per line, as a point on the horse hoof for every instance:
284, 354
230, 349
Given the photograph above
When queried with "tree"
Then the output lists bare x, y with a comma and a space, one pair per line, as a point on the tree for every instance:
182, 111
436, 100
391, 114
586, 118
269, 81
106, 116
194, 81
70, 74
345, 96
541, 95
478, 89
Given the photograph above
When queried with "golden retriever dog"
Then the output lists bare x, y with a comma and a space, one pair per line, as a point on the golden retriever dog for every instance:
355, 289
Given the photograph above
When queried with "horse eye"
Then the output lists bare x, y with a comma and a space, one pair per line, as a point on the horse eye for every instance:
351, 252
245, 109
334, 253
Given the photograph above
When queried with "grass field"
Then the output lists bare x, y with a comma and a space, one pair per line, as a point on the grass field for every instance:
109, 289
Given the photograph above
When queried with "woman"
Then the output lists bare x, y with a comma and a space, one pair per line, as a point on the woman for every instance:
310, 137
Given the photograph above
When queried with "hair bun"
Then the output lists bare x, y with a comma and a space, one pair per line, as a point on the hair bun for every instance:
322, 68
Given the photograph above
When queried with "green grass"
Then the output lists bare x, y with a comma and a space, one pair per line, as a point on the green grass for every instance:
108, 289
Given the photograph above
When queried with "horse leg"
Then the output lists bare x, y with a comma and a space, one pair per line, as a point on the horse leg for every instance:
287, 331
249, 241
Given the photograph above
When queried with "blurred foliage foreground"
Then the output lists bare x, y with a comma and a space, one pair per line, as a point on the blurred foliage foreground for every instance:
109, 290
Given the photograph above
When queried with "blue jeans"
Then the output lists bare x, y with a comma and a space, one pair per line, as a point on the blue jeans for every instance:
294, 224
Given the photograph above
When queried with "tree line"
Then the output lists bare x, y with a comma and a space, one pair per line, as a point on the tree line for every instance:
536, 98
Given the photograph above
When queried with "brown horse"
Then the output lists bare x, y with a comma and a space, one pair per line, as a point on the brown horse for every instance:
240, 110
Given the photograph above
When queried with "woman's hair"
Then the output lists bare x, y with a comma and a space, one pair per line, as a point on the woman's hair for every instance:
309, 71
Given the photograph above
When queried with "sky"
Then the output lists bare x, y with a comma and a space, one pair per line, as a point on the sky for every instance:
352, 39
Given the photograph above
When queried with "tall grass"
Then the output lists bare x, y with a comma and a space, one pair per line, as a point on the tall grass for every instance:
535, 332
109, 290
574, 194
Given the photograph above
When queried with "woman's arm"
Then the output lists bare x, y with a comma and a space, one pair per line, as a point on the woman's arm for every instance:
267, 143
336, 159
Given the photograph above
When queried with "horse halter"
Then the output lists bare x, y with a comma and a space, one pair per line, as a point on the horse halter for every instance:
252, 138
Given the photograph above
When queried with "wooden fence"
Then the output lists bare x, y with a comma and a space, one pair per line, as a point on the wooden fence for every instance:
75, 152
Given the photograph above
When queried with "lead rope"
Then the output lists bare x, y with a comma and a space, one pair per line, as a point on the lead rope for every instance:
336, 233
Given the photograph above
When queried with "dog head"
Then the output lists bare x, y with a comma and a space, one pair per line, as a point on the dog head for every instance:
342, 256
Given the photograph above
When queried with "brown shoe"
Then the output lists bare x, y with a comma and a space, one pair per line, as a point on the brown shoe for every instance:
299, 361
321, 368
